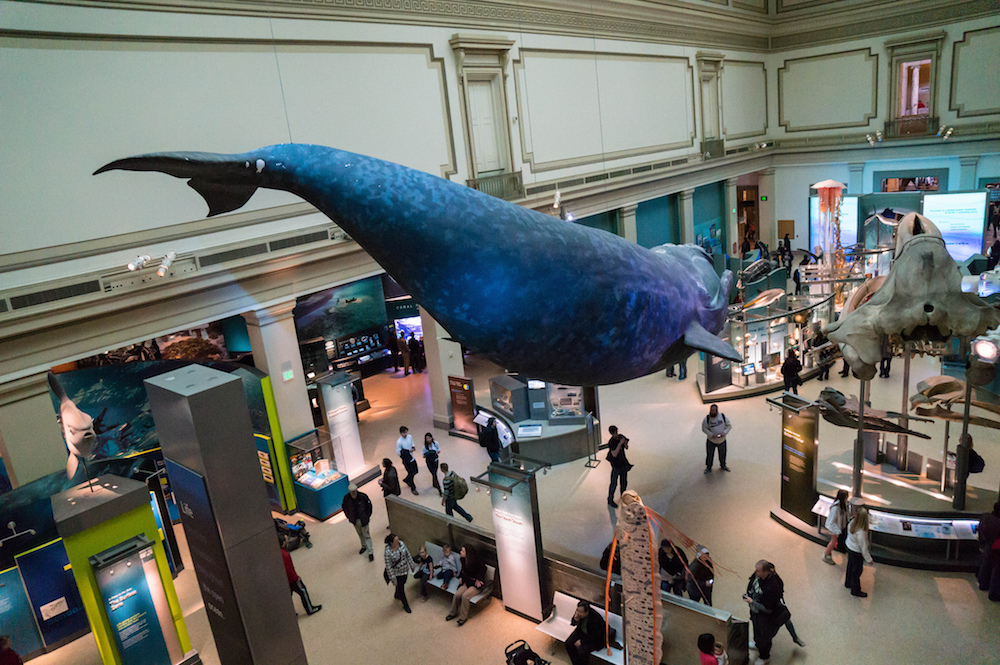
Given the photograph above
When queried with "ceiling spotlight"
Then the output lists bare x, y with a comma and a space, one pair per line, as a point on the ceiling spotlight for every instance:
166, 263
570, 217
947, 134
986, 349
941, 130
557, 199
878, 135
139, 262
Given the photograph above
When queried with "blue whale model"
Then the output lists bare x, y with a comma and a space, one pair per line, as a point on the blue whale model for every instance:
550, 299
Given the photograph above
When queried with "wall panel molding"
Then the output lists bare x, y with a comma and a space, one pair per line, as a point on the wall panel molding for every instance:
989, 83
869, 59
737, 64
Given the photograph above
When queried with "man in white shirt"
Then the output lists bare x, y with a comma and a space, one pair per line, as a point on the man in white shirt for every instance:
715, 426
405, 449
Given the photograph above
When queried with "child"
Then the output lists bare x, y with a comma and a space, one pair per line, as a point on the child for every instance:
450, 565
425, 569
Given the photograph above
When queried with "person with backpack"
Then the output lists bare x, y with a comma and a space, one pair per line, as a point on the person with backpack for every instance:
455, 488
716, 427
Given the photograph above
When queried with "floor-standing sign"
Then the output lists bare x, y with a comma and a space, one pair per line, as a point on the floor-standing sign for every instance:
518, 539
799, 439
204, 427
337, 402
463, 404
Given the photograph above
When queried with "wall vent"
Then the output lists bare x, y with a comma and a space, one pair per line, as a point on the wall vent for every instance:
619, 174
573, 183
642, 169
3, 306
541, 189
596, 178
285, 243
662, 165
231, 255
679, 162
51, 295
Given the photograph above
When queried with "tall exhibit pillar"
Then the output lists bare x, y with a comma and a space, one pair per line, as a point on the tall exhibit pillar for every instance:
765, 208
856, 178
276, 351
31, 444
203, 423
732, 219
118, 560
444, 359
686, 210
626, 215
967, 174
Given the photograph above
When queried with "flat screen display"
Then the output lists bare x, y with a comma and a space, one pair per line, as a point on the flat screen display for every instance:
848, 221
749, 369
961, 218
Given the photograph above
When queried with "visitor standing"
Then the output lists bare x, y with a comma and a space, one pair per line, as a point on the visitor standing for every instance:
454, 485
357, 509
764, 598
295, 583
389, 480
682, 369
716, 427
620, 465
398, 564
405, 450
415, 359
797, 278
790, 372
673, 567
491, 439
836, 524
989, 547
431, 453
857, 552
404, 353
701, 577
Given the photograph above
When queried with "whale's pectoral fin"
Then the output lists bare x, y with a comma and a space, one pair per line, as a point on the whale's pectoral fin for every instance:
222, 197
698, 338
71, 465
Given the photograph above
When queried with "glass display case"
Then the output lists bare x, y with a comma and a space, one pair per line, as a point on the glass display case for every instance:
319, 486
565, 404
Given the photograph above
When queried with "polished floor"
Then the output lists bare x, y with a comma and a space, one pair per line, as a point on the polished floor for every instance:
910, 616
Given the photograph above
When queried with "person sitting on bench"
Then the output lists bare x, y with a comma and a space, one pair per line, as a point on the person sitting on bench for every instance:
590, 634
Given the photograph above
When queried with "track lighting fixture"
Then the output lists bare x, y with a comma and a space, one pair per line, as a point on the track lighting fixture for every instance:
139, 262
165, 263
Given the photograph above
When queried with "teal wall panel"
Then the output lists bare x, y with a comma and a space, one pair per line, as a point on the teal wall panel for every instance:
657, 221
709, 204
605, 221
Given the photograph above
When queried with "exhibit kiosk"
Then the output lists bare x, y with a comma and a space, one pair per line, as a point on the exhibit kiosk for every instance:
319, 487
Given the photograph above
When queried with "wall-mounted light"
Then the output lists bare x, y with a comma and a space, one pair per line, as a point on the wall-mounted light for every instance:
878, 135
139, 262
947, 134
166, 263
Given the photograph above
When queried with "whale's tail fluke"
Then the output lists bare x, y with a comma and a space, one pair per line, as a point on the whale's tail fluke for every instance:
226, 182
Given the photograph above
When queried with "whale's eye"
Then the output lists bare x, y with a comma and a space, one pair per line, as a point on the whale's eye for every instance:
246, 164
260, 165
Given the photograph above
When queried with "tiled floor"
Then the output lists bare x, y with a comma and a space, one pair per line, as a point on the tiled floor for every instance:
911, 616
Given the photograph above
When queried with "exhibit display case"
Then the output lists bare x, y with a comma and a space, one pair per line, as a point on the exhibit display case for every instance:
509, 396
319, 487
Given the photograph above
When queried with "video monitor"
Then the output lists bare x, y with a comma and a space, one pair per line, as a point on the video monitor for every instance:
749, 369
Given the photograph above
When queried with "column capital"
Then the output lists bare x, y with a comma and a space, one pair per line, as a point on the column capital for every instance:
732, 182
686, 193
855, 167
628, 210
766, 172
24, 388
968, 160
268, 315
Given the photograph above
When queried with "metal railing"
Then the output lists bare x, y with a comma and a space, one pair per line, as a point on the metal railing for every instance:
506, 186
913, 125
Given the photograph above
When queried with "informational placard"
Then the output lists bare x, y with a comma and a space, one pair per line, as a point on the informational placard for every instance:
718, 372
15, 614
128, 603
337, 401
52, 592
798, 462
210, 566
463, 404
848, 222
518, 538
960, 218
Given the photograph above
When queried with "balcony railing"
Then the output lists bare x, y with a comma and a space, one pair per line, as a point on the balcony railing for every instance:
506, 186
911, 125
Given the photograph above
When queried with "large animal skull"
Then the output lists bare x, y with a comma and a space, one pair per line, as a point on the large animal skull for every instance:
921, 299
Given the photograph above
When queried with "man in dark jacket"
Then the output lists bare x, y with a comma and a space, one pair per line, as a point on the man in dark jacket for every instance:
701, 577
763, 595
619, 463
389, 480
358, 510
414, 347
590, 634
673, 564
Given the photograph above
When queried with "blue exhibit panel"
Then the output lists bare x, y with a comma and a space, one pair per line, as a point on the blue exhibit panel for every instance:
324, 502
16, 617
55, 600
266, 456
163, 537
129, 606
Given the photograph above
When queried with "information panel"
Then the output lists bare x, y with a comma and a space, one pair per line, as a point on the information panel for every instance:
960, 218
463, 404
125, 592
848, 222
798, 462
519, 546
15, 614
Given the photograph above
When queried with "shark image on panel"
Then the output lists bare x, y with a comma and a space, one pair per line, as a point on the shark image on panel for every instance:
547, 298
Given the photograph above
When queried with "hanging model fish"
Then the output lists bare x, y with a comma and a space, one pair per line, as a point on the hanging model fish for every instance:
553, 300
77, 428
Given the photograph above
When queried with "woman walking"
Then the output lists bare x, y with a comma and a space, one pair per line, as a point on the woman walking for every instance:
836, 524
857, 552
431, 453
398, 564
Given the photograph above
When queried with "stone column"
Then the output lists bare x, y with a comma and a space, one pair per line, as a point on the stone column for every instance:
967, 175
444, 359
856, 180
765, 209
31, 443
626, 216
732, 219
276, 351
686, 210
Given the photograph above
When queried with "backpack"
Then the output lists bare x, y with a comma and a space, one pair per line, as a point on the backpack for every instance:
461, 487
976, 462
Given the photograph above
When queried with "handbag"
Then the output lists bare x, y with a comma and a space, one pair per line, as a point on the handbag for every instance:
385, 576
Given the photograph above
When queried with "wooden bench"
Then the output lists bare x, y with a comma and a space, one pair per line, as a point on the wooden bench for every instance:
558, 626
437, 553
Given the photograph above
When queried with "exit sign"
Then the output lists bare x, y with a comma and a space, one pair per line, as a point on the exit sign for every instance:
288, 375
763, 198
